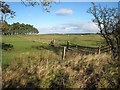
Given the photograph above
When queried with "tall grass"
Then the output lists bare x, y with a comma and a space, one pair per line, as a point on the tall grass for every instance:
47, 70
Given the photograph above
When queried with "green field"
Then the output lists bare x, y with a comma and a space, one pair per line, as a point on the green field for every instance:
38, 43
34, 63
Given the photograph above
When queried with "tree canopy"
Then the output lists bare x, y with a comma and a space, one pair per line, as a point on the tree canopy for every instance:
6, 12
17, 28
108, 21
46, 4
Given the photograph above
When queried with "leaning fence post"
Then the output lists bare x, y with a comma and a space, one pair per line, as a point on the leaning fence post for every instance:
98, 50
68, 43
63, 53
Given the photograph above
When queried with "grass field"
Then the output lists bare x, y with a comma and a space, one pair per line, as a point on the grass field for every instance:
26, 43
33, 63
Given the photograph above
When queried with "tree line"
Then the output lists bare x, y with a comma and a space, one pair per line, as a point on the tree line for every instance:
18, 28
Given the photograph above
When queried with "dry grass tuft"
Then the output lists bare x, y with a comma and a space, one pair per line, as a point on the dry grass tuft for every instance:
47, 70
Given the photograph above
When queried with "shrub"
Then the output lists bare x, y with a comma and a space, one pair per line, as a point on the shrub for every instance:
7, 46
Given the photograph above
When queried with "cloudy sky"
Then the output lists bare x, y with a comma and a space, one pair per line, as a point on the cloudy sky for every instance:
64, 17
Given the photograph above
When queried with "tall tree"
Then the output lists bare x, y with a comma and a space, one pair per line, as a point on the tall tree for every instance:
5, 13
108, 21
5, 28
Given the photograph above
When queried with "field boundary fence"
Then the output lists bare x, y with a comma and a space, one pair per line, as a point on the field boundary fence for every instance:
103, 49
69, 46
88, 50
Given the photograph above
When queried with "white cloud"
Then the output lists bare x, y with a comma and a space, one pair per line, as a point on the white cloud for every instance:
89, 27
64, 11
75, 27
81, 27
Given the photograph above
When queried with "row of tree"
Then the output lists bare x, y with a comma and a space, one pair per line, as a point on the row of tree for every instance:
17, 28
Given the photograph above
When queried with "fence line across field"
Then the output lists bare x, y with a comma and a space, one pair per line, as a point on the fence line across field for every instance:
99, 50
103, 49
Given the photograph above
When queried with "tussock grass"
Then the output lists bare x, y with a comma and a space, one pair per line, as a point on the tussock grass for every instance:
47, 70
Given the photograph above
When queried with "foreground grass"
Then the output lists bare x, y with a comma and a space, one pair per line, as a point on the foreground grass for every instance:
33, 63
38, 43
46, 70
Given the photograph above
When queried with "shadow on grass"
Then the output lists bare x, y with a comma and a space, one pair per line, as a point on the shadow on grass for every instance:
6, 47
15, 84
55, 49
82, 49
72, 47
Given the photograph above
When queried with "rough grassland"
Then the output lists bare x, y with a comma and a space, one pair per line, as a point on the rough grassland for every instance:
33, 63
33, 43
47, 70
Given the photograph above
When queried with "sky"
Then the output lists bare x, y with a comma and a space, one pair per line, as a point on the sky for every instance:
64, 17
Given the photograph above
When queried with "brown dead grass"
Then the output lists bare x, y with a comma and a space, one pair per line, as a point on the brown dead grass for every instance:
47, 70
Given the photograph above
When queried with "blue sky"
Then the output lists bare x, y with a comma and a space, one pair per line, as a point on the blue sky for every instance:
64, 17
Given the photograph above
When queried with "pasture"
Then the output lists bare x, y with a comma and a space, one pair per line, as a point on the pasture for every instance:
34, 63
39, 43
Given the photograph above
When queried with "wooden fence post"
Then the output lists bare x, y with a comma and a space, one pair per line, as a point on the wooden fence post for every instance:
47, 63
76, 47
68, 43
52, 43
98, 50
63, 53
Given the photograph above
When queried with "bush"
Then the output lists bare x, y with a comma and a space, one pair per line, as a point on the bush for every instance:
7, 46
